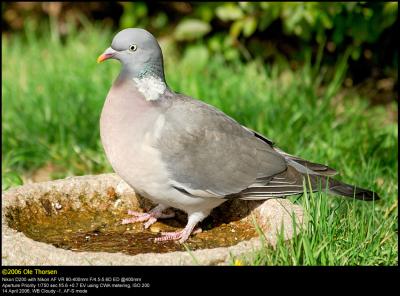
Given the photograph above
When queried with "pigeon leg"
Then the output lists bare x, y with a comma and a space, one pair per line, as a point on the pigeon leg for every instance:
151, 217
183, 234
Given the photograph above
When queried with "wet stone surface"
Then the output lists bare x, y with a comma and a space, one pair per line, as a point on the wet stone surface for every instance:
98, 228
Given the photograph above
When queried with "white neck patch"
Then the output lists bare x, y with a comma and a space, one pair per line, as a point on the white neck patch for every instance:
151, 87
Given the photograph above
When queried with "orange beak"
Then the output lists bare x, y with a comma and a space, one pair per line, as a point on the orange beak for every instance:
107, 54
103, 57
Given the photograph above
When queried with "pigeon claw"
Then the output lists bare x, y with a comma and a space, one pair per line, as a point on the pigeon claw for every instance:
151, 217
139, 217
168, 236
181, 235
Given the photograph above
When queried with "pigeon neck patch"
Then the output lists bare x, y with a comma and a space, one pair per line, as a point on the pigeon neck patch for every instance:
151, 87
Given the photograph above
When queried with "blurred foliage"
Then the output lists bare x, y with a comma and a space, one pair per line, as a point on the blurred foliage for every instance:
336, 25
271, 31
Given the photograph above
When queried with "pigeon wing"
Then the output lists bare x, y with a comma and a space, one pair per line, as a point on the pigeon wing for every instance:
207, 153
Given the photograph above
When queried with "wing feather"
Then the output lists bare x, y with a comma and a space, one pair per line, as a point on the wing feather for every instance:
207, 153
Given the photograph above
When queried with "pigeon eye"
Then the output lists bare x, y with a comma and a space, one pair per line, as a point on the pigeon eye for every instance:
132, 47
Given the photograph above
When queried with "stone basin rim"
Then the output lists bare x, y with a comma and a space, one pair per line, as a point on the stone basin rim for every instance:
18, 249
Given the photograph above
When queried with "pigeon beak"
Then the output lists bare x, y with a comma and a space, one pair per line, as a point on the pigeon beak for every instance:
107, 54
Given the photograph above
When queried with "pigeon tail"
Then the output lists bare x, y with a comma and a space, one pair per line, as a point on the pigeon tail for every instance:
290, 182
347, 190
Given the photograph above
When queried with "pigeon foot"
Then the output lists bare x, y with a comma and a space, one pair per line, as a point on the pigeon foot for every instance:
182, 235
150, 217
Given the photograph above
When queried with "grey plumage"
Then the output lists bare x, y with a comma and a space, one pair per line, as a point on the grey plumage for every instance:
220, 155
183, 153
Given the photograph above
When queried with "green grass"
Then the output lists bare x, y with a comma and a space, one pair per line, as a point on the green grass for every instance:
53, 93
338, 232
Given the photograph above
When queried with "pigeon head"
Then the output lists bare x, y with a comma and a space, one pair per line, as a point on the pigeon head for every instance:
138, 51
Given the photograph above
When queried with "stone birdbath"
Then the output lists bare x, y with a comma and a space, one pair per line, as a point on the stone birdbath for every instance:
77, 221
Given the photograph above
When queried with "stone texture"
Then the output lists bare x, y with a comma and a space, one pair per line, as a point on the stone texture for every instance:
17, 249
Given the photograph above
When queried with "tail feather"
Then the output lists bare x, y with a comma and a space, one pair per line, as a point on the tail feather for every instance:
290, 182
318, 168
344, 189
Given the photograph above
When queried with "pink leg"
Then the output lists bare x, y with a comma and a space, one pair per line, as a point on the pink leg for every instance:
195, 231
183, 234
166, 236
151, 217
